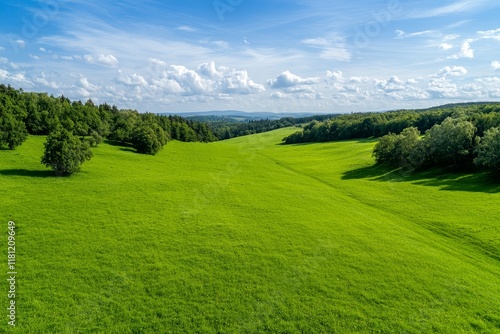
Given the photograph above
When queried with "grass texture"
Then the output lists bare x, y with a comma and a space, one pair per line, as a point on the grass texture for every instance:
249, 236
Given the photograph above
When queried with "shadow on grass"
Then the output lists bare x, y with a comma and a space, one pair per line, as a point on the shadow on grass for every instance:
117, 143
441, 178
128, 149
27, 173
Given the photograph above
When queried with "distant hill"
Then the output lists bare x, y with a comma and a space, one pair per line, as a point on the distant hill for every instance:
235, 115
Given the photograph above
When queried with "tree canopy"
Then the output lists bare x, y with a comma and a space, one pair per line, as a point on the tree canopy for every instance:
65, 153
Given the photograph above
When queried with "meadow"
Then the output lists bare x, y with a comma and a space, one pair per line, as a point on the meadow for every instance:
249, 236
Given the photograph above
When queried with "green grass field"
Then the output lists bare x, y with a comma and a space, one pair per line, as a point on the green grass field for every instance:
249, 236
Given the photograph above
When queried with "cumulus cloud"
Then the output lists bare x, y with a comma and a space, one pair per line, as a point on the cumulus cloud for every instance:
206, 80
495, 65
445, 46
132, 80
455, 71
102, 59
3, 74
239, 82
465, 52
391, 85
84, 83
334, 76
441, 87
108, 60
42, 80
288, 79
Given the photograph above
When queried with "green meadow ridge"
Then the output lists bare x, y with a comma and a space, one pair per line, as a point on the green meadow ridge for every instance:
247, 235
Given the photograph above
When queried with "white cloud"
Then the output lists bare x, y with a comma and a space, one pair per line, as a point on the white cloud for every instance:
3, 74
339, 54
133, 80
2, 48
279, 95
44, 82
465, 52
85, 84
102, 59
108, 60
209, 70
288, 79
221, 44
441, 87
4, 60
208, 81
335, 76
445, 46
401, 34
20, 43
67, 58
333, 48
455, 71
156, 61
89, 59
495, 65
317, 42
186, 28
238, 81
391, 85
490, 34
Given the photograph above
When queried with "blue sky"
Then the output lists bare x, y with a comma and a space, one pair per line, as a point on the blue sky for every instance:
260, 55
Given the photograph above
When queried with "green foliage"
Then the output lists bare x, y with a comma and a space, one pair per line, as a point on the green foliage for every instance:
148, 138
41, 114
366, 125
385, 149
12, 130
488, 150
65, 153
403, 150
451, 142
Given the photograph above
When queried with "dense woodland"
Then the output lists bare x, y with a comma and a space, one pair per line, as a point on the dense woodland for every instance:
24, 113
72, 127
461, 136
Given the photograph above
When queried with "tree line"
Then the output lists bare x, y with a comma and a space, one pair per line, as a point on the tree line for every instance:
72, 127
454, 143
460, 136
224, 129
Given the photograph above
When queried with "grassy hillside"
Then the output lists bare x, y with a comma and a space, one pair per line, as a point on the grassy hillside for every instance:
246, 236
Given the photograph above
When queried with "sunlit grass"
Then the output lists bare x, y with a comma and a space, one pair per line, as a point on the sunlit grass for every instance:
249, 236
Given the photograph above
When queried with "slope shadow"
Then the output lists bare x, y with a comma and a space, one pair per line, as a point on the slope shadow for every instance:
445, 180
27, 173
